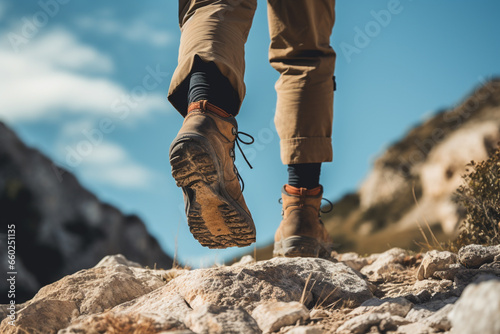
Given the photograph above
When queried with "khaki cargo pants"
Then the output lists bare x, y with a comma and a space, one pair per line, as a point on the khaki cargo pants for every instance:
216, 30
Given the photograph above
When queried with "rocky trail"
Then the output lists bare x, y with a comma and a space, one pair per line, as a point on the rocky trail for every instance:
391, 292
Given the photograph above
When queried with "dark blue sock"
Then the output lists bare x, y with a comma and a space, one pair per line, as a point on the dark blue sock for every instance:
304, 175
207, 83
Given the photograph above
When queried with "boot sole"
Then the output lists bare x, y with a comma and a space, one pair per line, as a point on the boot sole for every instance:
300, 246
214, 218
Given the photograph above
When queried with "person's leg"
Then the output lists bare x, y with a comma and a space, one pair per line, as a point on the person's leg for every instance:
300, 50
211, 31
207, 88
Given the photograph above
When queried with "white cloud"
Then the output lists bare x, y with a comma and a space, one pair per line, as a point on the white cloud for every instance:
136, 31
48, 79
107, 154
122, 176
61, 48
108, 163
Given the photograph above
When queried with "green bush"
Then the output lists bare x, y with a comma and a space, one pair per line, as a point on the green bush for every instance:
480, 196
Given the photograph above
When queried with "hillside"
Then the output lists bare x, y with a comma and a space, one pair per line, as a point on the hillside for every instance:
60, 227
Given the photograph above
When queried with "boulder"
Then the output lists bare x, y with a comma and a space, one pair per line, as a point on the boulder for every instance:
435, 261
473, 256
85, 292
385, 263
278, 279
478, 309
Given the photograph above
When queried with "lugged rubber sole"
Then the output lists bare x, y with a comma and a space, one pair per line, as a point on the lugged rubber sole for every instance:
214, 218
300, 246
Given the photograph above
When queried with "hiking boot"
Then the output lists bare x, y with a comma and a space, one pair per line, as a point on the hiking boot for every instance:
202, 160
301, 232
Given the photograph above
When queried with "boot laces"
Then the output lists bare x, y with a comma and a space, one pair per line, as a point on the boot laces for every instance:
237, 141
330, 208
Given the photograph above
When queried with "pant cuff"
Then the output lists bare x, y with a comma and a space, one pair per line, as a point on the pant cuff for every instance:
306, 150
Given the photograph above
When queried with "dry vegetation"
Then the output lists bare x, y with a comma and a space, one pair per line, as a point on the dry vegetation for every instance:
480, 196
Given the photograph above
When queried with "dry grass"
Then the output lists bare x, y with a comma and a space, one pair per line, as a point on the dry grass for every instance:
436, 244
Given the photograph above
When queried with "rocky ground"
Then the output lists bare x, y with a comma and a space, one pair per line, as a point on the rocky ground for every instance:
391, 292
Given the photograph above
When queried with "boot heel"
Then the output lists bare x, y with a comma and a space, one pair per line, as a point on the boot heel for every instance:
297, 246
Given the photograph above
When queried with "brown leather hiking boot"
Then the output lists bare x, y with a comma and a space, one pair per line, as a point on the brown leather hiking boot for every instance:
202, 160
301, 232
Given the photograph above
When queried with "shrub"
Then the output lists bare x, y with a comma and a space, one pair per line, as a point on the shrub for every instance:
480, 196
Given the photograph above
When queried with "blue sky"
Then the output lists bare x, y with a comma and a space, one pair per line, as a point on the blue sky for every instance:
85, 82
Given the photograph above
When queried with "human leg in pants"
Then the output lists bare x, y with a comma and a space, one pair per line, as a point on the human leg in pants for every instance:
300, 50
210, 66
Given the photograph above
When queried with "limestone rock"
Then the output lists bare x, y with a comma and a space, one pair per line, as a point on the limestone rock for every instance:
246, 259
213, 319
415, 328
491, 266
435, 261
274, 315
385, 263
355, 261
395, 306
361, 323
278, 279
478, 309
42, 316
85, 292
157, 304
113, 260
119, 296
463, 278
418, 314
433, 286
439, 320
450, 272
438, 304
305, 330
473, 256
